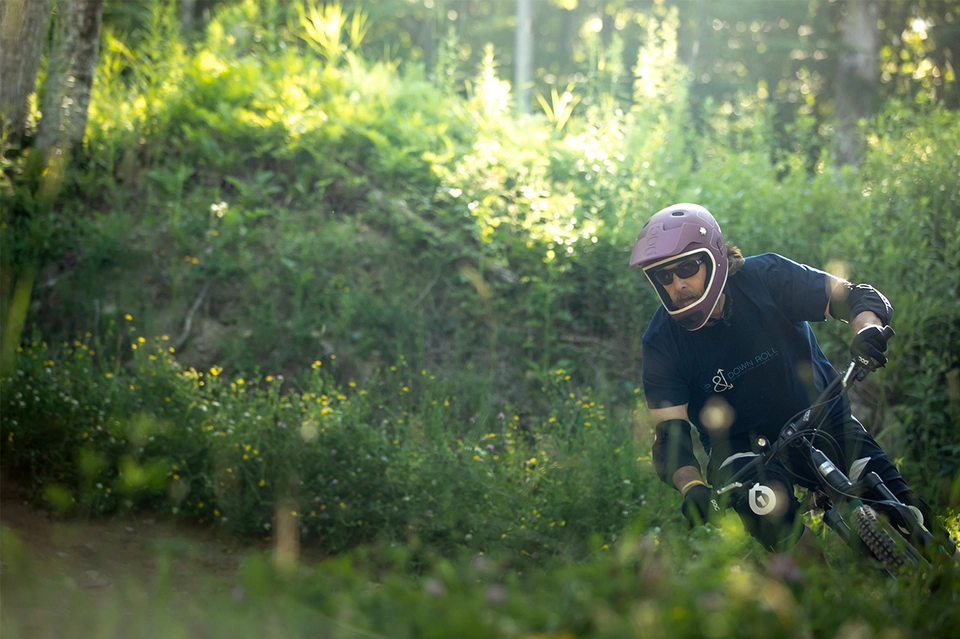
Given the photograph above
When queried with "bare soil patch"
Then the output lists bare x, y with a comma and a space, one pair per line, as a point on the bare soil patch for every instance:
142, 550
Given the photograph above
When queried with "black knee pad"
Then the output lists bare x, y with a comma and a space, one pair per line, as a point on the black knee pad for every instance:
770, 513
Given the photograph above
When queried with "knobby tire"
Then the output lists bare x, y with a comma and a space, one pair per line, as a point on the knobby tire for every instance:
878, 540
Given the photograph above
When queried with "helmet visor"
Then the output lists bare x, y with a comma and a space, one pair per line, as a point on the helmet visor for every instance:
685, 266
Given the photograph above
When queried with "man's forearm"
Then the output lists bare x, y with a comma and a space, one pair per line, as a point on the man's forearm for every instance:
684, 475
863, 320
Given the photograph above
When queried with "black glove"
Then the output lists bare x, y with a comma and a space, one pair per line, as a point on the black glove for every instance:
698, 506
868, 347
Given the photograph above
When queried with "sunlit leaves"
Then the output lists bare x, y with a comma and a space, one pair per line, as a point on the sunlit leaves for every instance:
560, 107
324, 27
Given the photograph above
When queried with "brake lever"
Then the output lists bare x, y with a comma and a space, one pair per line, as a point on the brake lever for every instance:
853, 371
728, 488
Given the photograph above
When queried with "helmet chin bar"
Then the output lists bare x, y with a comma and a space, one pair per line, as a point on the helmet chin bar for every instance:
692, 322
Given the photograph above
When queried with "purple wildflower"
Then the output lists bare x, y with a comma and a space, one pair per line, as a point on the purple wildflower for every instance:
496, 594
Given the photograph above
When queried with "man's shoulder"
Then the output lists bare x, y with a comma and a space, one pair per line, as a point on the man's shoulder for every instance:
769, 266
756, 263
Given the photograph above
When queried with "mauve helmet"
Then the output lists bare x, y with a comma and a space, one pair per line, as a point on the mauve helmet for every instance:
675, 233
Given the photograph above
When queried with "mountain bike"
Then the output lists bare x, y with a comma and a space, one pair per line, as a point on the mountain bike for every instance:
864, 512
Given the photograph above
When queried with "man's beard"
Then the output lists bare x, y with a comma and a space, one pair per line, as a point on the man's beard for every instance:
683, 296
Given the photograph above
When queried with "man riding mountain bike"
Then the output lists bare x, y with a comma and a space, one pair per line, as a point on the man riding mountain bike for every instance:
732, 352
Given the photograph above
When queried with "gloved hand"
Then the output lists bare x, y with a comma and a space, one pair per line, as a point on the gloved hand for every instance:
867, 348
697, 506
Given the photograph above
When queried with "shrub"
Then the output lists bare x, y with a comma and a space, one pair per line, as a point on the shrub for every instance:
385, 459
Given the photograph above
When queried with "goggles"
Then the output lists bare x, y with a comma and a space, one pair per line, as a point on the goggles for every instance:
683, 270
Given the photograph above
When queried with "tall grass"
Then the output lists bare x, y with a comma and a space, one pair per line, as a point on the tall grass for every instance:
397, 456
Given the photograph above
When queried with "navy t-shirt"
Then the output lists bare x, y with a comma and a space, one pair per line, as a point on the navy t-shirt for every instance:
752, 373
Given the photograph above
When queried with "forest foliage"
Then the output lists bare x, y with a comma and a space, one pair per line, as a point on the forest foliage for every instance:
282, 270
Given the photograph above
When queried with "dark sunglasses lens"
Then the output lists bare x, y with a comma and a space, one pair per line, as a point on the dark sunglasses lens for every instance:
683, 271
664, 277
687, 269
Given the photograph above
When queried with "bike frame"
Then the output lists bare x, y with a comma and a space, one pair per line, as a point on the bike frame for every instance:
840, 494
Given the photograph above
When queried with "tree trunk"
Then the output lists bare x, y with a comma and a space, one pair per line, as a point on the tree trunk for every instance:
23, 34
67, 97
524, 54
70, 77
857, 94
188, 9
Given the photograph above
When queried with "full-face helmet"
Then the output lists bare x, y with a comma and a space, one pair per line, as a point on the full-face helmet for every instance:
672, 236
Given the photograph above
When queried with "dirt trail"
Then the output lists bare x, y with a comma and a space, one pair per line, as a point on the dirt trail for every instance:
103, 554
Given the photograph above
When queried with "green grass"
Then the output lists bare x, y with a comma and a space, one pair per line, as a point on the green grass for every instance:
650, 584
400, 453
440, 518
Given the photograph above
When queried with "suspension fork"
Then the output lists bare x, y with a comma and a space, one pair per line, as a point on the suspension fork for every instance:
834, 517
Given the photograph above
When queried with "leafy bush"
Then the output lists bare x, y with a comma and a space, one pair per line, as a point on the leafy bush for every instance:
385, 458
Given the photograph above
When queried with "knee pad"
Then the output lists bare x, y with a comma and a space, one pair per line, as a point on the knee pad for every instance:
769, 512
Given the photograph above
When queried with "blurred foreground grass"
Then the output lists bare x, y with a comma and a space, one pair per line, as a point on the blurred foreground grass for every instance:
642, 586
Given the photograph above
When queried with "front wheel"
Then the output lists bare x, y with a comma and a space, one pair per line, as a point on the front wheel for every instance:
882, 541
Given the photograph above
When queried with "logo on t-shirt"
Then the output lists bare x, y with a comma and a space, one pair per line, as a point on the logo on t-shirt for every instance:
723, 380
720, 382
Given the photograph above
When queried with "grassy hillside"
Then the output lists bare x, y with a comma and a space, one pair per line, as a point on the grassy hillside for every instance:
275, 277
